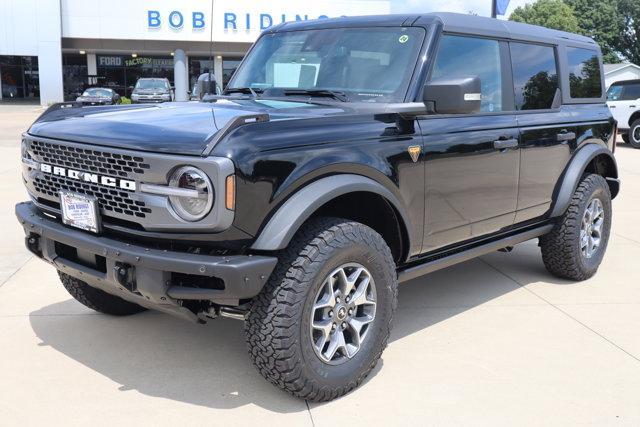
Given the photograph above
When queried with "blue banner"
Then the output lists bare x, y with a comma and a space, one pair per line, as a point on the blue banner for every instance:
501, 6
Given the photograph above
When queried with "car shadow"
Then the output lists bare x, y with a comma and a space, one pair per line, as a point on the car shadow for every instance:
208, 365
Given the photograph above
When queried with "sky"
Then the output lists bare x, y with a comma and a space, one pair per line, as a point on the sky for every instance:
481, 7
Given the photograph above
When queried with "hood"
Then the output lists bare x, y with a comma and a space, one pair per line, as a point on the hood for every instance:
176, 127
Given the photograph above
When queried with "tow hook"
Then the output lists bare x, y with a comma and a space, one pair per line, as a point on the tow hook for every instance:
33, 243
125, 275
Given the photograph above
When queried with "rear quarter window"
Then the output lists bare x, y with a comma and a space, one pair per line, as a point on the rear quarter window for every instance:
584, 73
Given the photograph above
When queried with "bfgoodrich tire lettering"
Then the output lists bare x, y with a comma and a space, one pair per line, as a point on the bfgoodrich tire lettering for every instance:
278, 328
562, 251
97, 299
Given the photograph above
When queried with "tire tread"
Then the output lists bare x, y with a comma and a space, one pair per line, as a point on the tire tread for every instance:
270, 326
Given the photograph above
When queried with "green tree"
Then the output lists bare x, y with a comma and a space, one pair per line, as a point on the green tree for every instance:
628, 44
603, 20
554, 14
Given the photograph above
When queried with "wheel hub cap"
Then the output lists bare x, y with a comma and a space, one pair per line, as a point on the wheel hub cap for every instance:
591, 228
343, 309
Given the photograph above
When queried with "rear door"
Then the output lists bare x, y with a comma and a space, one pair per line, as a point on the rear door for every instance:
472, 160
546, 133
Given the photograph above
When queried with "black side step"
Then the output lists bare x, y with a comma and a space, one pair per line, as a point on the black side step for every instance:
430, 266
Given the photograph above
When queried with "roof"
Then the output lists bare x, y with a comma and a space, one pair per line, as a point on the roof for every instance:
457, 22
610, 68
625, 82
452, 22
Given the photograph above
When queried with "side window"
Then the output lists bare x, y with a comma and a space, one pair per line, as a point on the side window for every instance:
584, 73
461, 56
535, 75
631, 92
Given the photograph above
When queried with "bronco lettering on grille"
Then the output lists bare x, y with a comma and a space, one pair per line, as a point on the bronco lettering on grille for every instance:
108, 181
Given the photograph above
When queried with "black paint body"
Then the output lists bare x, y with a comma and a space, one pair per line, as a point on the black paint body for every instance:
460, 188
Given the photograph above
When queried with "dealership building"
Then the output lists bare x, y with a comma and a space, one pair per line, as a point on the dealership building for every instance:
51, 50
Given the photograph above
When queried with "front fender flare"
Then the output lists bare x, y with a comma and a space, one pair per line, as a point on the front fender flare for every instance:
298, 208
573, 173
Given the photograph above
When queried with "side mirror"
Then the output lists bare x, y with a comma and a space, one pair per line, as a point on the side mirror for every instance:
454, 96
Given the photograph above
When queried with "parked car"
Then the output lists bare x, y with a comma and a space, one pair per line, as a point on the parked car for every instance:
623, 98
346, 156
99, 96
152, 90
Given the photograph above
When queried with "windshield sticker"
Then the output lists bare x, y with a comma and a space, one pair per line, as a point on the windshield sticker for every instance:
404, 38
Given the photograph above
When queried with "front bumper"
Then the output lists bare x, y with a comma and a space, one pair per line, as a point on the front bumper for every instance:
158, 279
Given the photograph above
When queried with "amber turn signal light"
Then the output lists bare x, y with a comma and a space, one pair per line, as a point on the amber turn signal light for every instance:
230, 188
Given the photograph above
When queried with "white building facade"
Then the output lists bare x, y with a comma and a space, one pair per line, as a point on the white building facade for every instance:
52, 49
620, 72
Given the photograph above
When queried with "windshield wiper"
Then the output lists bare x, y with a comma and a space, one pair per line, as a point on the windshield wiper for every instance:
340, 96
248, 90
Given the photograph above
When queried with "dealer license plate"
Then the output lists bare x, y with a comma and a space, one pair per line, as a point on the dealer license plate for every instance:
80, 211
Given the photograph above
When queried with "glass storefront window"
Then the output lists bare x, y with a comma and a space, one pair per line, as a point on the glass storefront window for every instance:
74, 75
197, 66
229, 66
19, 76
120, 72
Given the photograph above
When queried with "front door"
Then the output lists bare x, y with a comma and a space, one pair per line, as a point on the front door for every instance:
472, 161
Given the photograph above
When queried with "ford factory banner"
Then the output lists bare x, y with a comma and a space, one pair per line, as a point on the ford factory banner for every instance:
192, 20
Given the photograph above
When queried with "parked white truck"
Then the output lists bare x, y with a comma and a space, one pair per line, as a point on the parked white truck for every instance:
623, 99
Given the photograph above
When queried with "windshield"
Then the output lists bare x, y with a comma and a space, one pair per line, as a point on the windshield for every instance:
367, 64
104, 93
152, 84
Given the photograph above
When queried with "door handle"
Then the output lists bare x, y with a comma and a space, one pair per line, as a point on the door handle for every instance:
566, 136
501, 144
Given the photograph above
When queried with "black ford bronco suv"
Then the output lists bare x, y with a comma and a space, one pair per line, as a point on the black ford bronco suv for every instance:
345, 156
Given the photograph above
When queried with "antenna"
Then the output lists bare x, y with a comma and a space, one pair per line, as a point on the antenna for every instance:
211, 83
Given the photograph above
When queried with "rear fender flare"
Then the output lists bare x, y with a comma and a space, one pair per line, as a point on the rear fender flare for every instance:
574, 171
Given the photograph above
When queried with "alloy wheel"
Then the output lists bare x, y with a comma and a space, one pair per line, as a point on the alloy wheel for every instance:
343, 310
591, 228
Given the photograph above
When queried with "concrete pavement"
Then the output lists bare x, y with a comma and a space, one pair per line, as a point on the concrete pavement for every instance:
494, 341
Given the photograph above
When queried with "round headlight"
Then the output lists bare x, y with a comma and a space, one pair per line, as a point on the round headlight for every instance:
197, 199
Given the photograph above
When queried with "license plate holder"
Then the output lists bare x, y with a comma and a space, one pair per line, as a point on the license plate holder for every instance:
80, 211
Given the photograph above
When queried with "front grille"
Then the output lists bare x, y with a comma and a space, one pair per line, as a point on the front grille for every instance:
85, 159
109, 199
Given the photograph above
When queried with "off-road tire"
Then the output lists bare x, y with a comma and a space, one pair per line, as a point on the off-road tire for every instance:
560, 248
97, 299
635, 143
277, 326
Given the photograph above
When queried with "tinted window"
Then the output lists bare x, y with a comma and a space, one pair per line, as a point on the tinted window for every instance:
467, 56
584, 73
535, 76
631, 92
